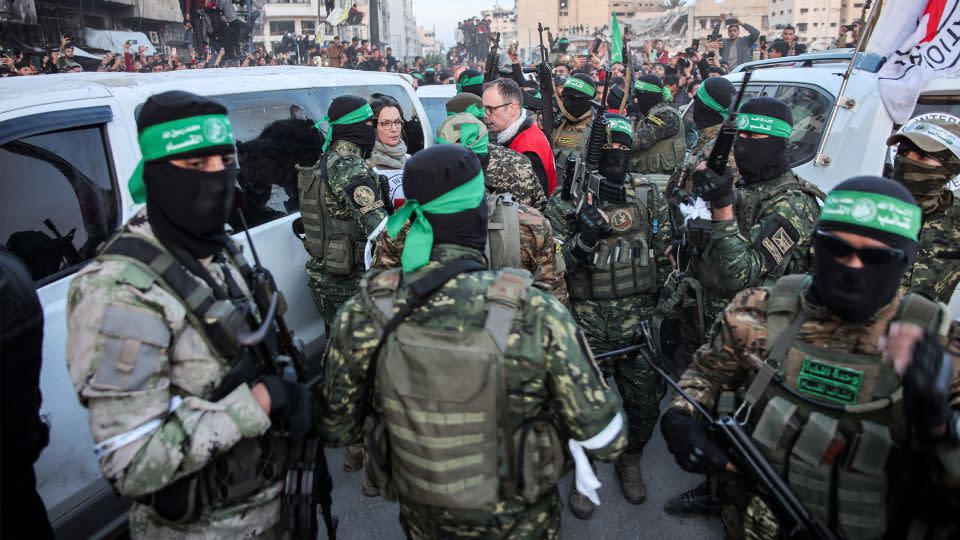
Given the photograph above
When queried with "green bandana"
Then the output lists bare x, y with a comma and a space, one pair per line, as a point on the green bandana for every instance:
419, 242
767, 125
580, 86
362, 114
667, 94
471, 81
537, 95
873, 210
470, 138
178, 137
707, 100
474, 110
620, 124
644, 86
417, 76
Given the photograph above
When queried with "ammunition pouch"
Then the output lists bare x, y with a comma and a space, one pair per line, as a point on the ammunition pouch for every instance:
376, 456
665, 155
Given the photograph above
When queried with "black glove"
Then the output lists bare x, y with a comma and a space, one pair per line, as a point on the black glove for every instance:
926, 387
592, 226
688, 441
715, 188
291, 404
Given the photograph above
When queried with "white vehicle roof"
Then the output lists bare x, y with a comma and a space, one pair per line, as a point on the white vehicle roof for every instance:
437, 90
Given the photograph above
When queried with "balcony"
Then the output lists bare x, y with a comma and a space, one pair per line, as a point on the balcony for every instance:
307, 8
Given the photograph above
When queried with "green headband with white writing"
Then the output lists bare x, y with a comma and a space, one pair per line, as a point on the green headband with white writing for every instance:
621, 125
176, 137
767, 125
580, 86
361, 114
708, 100
470, 138
474, 110
872, 210
419, 241
644, 86
469, 81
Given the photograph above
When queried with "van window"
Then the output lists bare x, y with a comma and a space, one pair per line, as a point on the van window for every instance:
810, 110
57, 199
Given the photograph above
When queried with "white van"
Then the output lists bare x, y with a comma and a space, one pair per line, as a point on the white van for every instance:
68, 144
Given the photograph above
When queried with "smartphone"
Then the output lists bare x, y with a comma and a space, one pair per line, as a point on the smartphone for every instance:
595, 45
714, 37
696, 43
763, 41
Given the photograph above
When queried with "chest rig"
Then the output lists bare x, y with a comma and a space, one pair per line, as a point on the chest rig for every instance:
624, 263
828, 420
446, 437
666, 154
226, 320
336, 242
569, 139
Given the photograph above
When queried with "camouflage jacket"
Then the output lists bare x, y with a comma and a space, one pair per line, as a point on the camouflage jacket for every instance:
658, 146
511, 172
655, 127
132, 354
549, 369
936, 273
537, 252
769, 237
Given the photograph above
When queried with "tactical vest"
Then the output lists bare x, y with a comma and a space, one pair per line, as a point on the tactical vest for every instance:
503, 232
337, 243
624, 263
829, 427
447, 438
252, 464
664, 156
568, 141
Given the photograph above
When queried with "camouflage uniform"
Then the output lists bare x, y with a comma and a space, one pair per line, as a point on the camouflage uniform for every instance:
609, 324
350, 198
549, 371
936, 273
569, 138
724, 365
133, 354
658, 146
537, 252
511, 172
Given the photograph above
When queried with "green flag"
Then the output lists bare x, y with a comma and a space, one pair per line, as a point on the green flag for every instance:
616, 47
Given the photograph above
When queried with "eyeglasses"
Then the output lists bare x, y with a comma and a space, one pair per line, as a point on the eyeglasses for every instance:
840, 249
396, 124
490, 109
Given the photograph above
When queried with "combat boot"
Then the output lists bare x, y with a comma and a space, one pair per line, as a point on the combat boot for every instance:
353, 457
580, 506
368, 488
631, 480
697, 501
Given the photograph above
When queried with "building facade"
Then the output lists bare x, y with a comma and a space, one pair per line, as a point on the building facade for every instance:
294, 17
704, 16
429, 44
403, 29
562, 16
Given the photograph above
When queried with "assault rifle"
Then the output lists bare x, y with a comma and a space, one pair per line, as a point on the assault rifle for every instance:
307, 483
720, 154
491, 70
580, 175
796, 520
545, 74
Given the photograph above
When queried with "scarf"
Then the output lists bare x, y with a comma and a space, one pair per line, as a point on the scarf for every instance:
389, 157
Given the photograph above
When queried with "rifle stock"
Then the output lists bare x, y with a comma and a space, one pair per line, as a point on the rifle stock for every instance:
798, 522
491, 70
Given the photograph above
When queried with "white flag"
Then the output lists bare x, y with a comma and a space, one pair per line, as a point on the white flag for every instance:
921, 40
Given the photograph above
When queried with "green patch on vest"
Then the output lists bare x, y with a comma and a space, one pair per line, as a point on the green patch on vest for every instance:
832, 383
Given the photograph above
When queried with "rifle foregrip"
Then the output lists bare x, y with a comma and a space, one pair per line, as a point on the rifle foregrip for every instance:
598, 136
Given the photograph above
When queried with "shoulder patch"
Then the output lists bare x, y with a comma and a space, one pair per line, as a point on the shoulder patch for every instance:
655, 119
776, 239
361, 193
136, 276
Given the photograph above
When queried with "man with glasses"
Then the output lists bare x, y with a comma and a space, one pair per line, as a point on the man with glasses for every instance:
505, 117
928, 158
859, 412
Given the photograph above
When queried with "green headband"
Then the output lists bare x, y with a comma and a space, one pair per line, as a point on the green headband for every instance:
178, 137
667, 94
470, 138
470, 81
362, 114
474, 109
621, 125
580, 86
768, 125
417, 76
644, 86
708, 100
419, 242
874, 211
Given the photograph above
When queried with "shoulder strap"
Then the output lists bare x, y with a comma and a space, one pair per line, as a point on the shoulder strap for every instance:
784, 314
378, 292
503, 242
505, 297
924, 312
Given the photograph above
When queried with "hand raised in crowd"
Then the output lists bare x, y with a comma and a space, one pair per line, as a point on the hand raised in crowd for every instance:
927, 373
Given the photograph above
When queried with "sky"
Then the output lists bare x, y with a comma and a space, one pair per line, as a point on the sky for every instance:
445, 14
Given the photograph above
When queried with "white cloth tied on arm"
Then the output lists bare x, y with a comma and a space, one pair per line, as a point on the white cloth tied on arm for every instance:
587, 482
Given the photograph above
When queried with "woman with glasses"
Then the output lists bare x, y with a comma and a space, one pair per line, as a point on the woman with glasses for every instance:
390, 151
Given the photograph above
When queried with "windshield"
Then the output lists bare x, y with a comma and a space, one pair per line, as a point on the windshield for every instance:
436, 109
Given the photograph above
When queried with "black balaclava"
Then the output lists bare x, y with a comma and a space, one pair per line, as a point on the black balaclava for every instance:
575, 102
760, 160
187, 209
361, 134
432, 172
532, 99
647, 100
852, 206
614, 163
614, 93
721, 91
470, 81
927, 183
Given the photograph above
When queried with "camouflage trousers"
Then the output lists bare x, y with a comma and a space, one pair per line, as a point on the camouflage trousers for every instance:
329, 291
511, 520
610, 325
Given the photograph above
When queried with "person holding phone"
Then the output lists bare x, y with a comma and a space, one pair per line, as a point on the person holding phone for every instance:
736, 49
